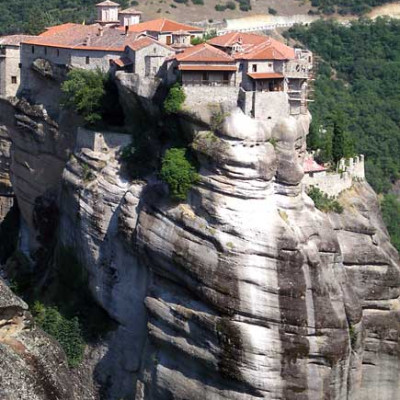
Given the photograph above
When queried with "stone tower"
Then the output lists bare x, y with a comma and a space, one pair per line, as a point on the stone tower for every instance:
107, 12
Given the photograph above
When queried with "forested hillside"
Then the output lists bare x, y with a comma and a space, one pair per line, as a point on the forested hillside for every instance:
31, 16
359, 80
344, 7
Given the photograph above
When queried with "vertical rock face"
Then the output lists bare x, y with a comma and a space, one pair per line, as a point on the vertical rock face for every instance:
97, 207
372, 269
249, 297
6, 191
245, 291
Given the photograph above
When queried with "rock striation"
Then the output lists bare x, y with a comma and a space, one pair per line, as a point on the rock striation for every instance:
246, 290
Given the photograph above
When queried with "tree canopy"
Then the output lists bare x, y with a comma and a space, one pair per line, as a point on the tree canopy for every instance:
33, 16
359, 78
84, 91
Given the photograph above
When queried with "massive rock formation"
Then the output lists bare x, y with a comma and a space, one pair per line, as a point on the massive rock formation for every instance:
32, 365
245, 291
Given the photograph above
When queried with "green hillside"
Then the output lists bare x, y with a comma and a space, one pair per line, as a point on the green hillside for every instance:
359, 79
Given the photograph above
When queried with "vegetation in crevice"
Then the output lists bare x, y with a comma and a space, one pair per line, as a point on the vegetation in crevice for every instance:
53, 283
93, 95
178, 173
175, 99
324, 202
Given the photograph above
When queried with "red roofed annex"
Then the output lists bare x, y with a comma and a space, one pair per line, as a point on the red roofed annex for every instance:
242, 68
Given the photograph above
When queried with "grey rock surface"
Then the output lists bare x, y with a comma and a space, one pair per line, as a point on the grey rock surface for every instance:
32, 365
246, 290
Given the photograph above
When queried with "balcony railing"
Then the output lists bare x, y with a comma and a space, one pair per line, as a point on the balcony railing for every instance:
207, 83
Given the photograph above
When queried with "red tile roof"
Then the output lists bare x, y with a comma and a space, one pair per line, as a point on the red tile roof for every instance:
310, 165
123, 61
14, 40
52, 30
271, 50
204, 53
143, 42
206, 67
229, 39
161, 25
254, 47
84, 37
265, 75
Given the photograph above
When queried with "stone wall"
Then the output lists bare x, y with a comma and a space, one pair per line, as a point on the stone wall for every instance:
96, 59
268, 106
100, 141
9, 68
198, 96
349, 171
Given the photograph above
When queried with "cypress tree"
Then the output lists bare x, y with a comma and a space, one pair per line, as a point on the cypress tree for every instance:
339, 140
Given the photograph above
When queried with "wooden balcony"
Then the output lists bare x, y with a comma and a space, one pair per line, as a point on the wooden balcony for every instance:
207, 83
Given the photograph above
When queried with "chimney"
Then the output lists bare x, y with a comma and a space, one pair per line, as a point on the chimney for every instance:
100, 31
126, 30
86, 42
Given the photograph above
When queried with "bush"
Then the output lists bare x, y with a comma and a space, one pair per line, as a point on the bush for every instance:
181, 1
323, 202
83, 92
175, 98
178, 173
220, 7
198, 2
272, 11
66, 331
244, 5
231, 5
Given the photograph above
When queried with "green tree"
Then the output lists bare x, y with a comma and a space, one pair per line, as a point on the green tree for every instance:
313, 141
84, 92
338, 141
66, 331
391, 215
175, 99
178, 173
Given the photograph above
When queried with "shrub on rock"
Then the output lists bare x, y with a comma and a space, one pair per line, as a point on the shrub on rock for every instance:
175, 99
178, 173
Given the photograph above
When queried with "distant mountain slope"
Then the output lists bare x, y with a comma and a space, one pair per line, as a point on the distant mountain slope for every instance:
34, 15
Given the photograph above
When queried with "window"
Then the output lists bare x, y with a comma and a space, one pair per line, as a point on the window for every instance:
87, 60
169, 39
58, 53
205, 76
20, 65
254, 67
45, 50
270, 65
14, 80
155, 50
240, 67
33, 49
3, 51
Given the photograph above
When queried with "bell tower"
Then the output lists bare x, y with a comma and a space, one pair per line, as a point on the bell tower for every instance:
107, 12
